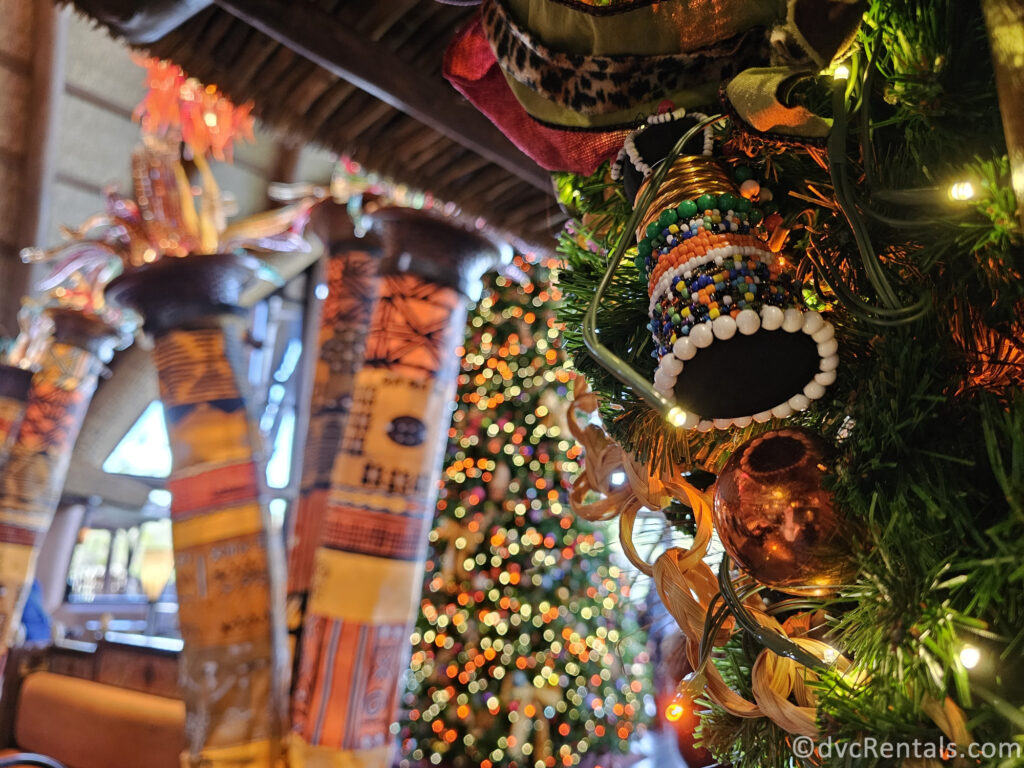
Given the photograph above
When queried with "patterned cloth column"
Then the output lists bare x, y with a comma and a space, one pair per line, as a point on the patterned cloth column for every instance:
369, 566
33, 477
229, 564
14, 388
353, 284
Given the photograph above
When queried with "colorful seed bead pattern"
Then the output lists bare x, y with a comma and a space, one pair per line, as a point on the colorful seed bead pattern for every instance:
690, 219
710, 276
700, 254
737, 278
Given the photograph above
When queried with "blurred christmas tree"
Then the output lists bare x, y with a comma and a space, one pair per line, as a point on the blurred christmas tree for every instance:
526, 651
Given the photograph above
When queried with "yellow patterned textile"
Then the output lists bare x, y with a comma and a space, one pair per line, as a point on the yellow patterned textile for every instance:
353, 284
369, 566
228, 556
223, 556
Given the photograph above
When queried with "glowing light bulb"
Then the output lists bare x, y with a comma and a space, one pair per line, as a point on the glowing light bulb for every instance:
618, 478
841, 72
675, 709
970, 656
676, 417
961, 190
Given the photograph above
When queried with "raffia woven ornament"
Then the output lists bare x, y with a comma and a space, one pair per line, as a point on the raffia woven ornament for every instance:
688, 587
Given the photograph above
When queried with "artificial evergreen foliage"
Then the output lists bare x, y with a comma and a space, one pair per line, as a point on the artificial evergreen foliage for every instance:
927, 414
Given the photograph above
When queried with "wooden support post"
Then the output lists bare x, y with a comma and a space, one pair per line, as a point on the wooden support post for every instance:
228, 557
383, 489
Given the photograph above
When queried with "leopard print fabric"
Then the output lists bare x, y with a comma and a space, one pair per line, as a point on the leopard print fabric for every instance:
595, 85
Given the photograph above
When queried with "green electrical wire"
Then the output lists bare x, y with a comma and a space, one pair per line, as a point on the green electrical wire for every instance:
892, 313
611, 362
773, 641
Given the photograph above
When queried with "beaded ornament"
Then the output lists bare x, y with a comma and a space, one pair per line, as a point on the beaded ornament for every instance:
712, 278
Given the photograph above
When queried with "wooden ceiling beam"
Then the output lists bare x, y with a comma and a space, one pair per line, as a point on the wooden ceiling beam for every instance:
141, 23
318, 36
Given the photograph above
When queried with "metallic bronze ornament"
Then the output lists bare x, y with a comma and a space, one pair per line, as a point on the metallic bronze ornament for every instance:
776, 519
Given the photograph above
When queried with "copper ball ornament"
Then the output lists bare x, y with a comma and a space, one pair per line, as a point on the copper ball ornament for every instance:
775, 518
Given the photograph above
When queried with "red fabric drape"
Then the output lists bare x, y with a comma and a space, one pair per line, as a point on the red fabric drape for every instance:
471, 67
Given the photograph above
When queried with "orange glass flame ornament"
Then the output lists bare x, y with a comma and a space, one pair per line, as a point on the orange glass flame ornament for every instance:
209, 123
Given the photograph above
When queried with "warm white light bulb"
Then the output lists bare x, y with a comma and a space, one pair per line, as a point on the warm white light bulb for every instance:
961, 190
841, 72
970, 656
676, 417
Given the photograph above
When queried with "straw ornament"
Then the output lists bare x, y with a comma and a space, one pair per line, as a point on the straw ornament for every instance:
691, 592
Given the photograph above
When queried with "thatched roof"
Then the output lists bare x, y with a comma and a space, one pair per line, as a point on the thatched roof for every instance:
361, 77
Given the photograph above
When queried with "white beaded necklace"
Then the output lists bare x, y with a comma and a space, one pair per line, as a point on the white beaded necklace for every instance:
630, 152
